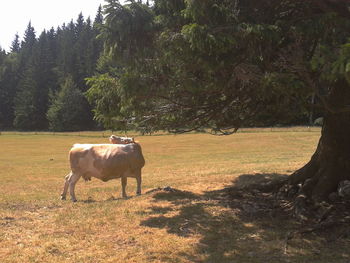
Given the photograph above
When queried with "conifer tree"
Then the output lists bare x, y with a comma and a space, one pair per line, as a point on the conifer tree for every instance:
97, 41
8, 83
68, 109
99, 17
29, 39
15, 45
223, 64
25, 102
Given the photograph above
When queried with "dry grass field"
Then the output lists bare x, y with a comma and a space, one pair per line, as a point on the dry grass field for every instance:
196, 222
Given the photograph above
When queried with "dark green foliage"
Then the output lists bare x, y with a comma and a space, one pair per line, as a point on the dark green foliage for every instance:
68, 109
37, 68
127, 31
15, 47
104, 97
26, 109
182, 65
188, 65
8, 82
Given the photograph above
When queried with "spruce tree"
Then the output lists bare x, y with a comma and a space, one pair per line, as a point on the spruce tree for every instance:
99, 17
97, 41
25, 102
8, 83
68, 109
15, 45
223, 64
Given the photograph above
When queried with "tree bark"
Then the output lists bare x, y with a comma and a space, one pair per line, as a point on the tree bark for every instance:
330, 163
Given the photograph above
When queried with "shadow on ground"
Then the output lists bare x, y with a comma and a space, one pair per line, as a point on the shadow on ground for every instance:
235, 224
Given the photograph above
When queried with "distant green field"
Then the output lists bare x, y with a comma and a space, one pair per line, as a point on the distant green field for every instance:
188, 225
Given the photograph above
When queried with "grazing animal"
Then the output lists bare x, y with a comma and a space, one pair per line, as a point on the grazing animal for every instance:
121, 140
105, 162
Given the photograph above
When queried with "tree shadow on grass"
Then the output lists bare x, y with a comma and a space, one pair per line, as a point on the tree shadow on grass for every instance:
238, 225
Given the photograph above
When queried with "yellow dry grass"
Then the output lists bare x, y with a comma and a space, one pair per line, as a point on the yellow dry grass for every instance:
194, 224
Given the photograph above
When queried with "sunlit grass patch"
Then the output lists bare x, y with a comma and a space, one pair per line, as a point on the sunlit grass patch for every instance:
192, 222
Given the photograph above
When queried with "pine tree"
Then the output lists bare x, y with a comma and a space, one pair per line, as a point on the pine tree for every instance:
25, 102
99, 17
222, 64
97, 41
45, 77
8, 84
15, 46
29, 38
68, 109
66, 40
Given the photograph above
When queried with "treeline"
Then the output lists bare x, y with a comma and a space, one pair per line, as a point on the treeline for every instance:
42, 78
173, 65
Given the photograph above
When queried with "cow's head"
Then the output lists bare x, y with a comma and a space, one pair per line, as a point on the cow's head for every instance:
121, 140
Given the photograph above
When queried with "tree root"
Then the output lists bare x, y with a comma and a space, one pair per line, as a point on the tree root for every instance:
314, 183
313, 228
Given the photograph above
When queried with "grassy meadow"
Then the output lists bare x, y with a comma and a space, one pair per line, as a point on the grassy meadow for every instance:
194, 223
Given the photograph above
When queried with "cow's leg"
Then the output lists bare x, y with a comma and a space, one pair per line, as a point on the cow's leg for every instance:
124, 181
73, 179
138, 180
65, 187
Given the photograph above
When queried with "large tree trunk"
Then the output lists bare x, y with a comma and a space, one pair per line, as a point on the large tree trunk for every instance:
330, 163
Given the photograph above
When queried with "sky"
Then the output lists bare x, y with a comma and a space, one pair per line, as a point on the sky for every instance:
43, 14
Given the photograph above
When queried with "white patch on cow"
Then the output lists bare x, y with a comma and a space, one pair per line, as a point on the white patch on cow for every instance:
86, 164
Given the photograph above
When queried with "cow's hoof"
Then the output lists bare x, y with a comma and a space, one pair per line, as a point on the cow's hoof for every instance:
63, 197
74, 200
138, 193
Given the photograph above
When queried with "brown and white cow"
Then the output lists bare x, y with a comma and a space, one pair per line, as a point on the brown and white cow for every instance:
105, 162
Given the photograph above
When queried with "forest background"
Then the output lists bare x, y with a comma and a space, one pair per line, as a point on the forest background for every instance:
45, 78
